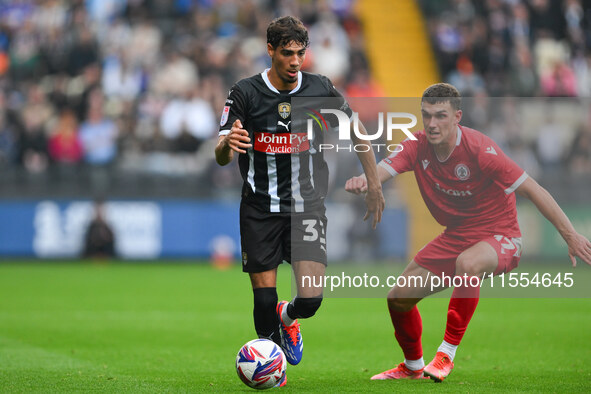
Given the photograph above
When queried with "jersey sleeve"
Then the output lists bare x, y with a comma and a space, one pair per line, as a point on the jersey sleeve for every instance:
500, 168
234, 108
402, 161
340, 102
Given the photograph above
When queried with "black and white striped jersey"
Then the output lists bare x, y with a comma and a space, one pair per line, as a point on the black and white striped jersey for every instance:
283, 171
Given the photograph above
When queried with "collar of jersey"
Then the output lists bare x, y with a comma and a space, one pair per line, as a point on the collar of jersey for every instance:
458, 140
273, 89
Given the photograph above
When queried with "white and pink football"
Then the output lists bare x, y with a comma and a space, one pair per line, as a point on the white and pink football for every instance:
260, 364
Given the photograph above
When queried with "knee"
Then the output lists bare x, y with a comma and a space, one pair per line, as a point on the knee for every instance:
306, 307
398, 302
466, 266
265, 298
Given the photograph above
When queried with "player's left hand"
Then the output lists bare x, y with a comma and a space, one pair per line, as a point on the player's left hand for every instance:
374, 199
579, 246
356, 185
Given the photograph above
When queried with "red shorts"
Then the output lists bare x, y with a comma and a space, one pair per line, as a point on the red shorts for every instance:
439, 256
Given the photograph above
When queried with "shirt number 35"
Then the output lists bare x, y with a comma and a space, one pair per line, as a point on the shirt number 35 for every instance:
314, 231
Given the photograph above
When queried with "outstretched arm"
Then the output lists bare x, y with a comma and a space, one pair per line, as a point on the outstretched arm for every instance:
578, 245
358, 184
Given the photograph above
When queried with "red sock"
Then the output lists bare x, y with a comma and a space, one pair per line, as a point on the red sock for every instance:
408, 328
461, 308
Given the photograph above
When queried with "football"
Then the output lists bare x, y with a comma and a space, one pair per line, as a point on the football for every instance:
260, 364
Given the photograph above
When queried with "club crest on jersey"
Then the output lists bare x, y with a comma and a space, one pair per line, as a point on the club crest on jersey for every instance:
284, 110
462, 172
225, 114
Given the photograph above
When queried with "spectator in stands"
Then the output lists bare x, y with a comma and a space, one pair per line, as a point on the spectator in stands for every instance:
546, 19
579, 157
8, 139
58, 91
98, 133
188, 122
121, 79
84, 51
448, 42
330, 48
4, 60
526, 51
141, 52
145, 43
524, 157
363, 85
55, 50
523, 81
582, 69
34, 117
177, 76
550, 144
574, 15
465, 78
81, 88
65, 147
519, 24
33, 145
25, 52
559, 81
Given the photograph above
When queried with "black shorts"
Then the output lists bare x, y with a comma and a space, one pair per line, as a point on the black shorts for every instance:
268, 239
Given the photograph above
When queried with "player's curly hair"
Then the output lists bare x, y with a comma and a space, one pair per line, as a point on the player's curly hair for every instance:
283, 30
441, 93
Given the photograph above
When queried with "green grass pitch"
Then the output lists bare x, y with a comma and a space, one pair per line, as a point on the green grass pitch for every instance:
115, 327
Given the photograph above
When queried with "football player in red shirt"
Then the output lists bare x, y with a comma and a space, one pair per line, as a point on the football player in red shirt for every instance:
468, 184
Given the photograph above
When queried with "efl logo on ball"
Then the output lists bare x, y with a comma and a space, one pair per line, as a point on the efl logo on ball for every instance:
260, 364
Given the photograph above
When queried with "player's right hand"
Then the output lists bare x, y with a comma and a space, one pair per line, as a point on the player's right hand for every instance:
238, 139
356, 185
375, 206
579, 246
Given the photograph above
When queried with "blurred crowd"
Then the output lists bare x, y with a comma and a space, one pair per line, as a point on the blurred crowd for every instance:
516, 49
521, 48
136, 86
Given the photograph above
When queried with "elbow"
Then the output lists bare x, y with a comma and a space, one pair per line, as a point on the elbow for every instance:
223, 157
222, 161
525, 192
218, 159
522, 193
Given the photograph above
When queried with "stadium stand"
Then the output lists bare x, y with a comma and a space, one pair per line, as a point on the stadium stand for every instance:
145, 81
148, 78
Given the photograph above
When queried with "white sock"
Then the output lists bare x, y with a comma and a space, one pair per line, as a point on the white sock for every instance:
448, 349
288, 321
415, 365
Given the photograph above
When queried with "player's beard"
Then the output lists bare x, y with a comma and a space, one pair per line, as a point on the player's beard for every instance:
288, 79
